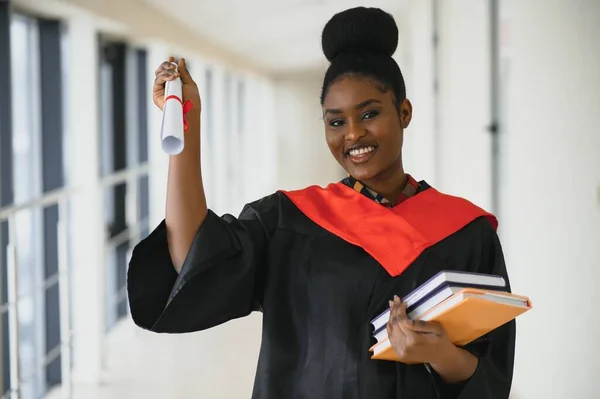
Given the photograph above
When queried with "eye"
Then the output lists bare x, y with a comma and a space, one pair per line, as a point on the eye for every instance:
336, 123
370, 114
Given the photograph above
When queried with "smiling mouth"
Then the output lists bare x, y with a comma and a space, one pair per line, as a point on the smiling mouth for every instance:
361, 154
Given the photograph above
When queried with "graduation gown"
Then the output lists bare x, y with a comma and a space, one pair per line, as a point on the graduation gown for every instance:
320, 264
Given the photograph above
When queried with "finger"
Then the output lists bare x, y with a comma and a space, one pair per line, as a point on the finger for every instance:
168, 72
394, 312
166, 65
425, 327
397, 321
402, 309
186, 78
165, 76
398, 310
394, 330
393, 325
412, 338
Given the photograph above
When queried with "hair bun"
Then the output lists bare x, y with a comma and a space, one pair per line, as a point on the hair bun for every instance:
360, 30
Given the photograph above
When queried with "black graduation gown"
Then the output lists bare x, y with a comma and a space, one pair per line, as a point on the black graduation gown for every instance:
317, 294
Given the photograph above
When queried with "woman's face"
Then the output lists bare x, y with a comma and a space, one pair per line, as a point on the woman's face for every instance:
364, 129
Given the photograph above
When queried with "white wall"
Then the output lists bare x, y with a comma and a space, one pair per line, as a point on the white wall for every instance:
303, 155
260, 139
455, 119
464, 100
418, 70
550, 205
550, 167
435, 151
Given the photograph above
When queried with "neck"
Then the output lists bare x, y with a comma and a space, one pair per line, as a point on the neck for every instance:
390, 184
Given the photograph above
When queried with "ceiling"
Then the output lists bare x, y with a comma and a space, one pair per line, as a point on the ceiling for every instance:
279, 36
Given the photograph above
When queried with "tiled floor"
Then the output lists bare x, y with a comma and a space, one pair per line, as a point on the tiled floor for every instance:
215, 364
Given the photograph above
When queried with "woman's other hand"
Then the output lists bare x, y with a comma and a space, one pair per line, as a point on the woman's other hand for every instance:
416, 342
166, 72
426, 342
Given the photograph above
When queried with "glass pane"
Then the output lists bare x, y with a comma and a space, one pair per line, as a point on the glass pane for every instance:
25, 77
71, 261
50, 291
116, 272
65, 65
5, 348
30, 297
142, 102
28, 390
110, 289
241, 102
121, 253
25, 109
106, 119
240, 154
227, 113
116, 252
208, 129
53, 349
144, 205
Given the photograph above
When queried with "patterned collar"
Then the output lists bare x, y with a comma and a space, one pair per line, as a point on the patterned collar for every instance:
411, 188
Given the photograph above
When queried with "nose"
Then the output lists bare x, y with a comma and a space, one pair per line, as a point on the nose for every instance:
355, 131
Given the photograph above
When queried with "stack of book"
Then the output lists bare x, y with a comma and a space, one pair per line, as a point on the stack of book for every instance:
467, 305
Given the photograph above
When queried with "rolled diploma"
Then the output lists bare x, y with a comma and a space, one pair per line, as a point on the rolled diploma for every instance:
172, 119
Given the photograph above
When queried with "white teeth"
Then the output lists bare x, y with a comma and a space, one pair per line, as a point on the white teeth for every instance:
360, 151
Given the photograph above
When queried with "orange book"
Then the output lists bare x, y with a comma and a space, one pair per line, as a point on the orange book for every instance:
466, 316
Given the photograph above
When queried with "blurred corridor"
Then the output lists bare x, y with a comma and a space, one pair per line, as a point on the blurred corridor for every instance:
506, 96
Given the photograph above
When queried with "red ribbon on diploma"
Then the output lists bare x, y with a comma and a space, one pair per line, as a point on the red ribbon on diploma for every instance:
186, 108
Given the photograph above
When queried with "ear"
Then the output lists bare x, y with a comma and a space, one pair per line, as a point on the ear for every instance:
405, 113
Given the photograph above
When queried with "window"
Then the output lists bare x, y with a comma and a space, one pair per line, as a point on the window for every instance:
52, 132
27, 185
228, 112
35, 129
241, 101
141, 60
114, 147
207, 135
124, 146
207, 101
6, 194
239, 139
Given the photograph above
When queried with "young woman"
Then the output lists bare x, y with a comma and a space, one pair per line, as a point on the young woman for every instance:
320, 263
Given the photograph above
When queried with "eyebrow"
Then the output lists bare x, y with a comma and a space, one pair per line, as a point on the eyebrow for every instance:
357, 106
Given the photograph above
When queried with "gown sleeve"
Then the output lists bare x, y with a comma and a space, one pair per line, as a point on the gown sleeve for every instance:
221, 278
493, 377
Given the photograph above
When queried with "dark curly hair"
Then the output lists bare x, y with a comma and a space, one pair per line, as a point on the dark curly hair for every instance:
361, 41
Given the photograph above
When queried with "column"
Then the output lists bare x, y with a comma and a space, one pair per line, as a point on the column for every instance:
87, 209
